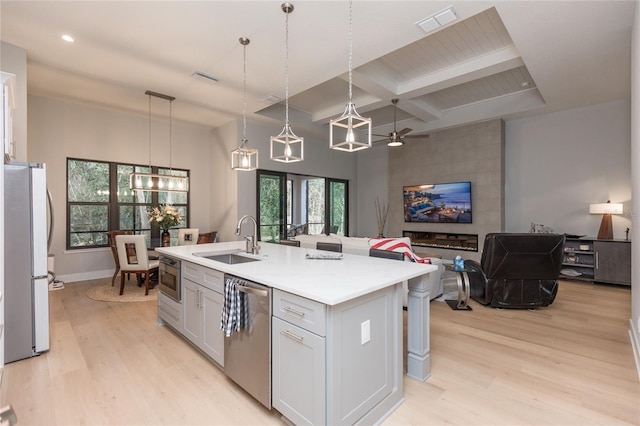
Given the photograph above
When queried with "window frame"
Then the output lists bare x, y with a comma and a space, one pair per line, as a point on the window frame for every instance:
114, 205
283, 177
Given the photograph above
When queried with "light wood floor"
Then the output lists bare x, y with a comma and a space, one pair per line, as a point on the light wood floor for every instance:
569, 364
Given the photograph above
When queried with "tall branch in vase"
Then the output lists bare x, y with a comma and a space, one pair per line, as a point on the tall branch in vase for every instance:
382, 210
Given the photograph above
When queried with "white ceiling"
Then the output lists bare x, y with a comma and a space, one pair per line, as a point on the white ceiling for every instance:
498, 59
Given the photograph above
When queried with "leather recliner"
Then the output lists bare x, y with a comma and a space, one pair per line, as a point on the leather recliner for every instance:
517, 270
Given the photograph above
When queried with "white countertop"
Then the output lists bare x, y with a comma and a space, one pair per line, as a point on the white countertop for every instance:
285, 268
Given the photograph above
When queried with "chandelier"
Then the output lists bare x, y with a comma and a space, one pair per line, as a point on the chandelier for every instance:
243, 158
287, 147
156, 182
343, 136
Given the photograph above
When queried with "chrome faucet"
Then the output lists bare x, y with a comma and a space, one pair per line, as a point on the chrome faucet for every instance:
252, 244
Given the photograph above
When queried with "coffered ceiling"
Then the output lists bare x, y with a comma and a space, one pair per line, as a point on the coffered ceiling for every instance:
496, 59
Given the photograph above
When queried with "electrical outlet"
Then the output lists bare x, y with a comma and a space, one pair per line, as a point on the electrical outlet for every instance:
365, 332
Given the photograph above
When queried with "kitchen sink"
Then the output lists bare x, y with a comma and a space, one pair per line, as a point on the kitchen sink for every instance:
228, 258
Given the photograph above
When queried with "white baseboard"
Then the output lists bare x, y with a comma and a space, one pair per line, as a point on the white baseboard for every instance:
85, 276
635, 345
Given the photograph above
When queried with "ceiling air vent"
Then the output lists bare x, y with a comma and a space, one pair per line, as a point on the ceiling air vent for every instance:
271, 98
204, 76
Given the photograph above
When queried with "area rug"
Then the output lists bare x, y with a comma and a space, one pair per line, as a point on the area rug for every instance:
132, 293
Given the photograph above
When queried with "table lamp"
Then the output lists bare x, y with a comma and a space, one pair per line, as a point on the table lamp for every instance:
606, 210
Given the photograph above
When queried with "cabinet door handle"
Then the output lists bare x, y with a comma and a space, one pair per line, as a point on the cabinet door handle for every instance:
290, 335
597, 261
293, 311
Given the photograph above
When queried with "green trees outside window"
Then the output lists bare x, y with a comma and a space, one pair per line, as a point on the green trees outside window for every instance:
290, 204
99, 200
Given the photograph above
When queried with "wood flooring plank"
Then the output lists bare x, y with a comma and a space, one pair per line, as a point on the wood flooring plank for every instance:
111, 363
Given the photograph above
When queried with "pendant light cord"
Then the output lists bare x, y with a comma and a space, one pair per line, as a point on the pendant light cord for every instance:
350, 54
149, 131
286, 69
244, 94
170, 132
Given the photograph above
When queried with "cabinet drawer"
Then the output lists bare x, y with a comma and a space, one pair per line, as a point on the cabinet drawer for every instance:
213, 280
207, 277
192, 271
304, 313
170, 311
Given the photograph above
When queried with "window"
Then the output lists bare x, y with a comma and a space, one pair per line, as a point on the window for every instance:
290, 204
99, 200
315, 205
271, 205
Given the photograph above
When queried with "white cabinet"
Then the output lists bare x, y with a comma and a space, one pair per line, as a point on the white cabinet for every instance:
6, 113
212, 337
202, 310
169, 312
299, 377
299, 359
339, 364
193, 320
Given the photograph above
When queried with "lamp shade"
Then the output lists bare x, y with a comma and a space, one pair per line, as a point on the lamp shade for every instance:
605, 208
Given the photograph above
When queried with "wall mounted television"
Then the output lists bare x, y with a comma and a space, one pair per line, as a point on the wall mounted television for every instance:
438, 203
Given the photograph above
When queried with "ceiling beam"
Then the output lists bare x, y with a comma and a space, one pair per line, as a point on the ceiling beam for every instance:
483, 66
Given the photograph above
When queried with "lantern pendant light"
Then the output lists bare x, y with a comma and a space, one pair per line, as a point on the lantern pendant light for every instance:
287, 147
156, 182
343, 135
243, 158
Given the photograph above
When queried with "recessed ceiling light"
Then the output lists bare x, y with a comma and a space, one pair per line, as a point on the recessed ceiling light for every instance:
68, 38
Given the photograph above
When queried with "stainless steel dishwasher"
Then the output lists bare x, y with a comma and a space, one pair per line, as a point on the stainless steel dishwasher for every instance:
247, 353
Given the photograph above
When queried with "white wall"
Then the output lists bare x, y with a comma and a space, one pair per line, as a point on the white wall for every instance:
559, 163
634, 326
373, 174
59, 129
319, 160
223, 197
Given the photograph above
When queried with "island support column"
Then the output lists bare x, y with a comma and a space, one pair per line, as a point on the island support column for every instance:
418, 358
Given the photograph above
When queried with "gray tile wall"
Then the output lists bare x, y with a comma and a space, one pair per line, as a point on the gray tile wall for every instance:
472, 153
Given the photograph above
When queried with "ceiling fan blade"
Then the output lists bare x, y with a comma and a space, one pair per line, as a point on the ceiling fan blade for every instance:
404, 131
416, 136
380, 136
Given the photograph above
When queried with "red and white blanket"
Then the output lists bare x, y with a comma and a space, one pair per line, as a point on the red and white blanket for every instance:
393, 244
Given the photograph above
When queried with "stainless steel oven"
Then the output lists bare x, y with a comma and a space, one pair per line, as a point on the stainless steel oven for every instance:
169, 282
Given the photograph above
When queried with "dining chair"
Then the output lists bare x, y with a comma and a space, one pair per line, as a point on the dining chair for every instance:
337, 247
293, 243
208, 237
187, 236
142, 264
111, 238
386, 254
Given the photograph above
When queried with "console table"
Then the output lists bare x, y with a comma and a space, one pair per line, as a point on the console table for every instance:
606, 261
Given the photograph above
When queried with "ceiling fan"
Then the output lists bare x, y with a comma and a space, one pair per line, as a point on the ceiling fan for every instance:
396, 138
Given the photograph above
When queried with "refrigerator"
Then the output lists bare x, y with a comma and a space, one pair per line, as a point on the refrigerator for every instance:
26, 298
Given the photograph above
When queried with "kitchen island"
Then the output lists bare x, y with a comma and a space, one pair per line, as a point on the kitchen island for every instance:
342, 362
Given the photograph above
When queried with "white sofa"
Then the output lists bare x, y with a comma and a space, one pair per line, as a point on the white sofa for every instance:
360, 246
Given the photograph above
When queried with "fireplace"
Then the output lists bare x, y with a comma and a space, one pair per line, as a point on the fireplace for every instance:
443, 240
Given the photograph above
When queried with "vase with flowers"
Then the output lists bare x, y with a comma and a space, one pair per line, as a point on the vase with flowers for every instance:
165, 217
